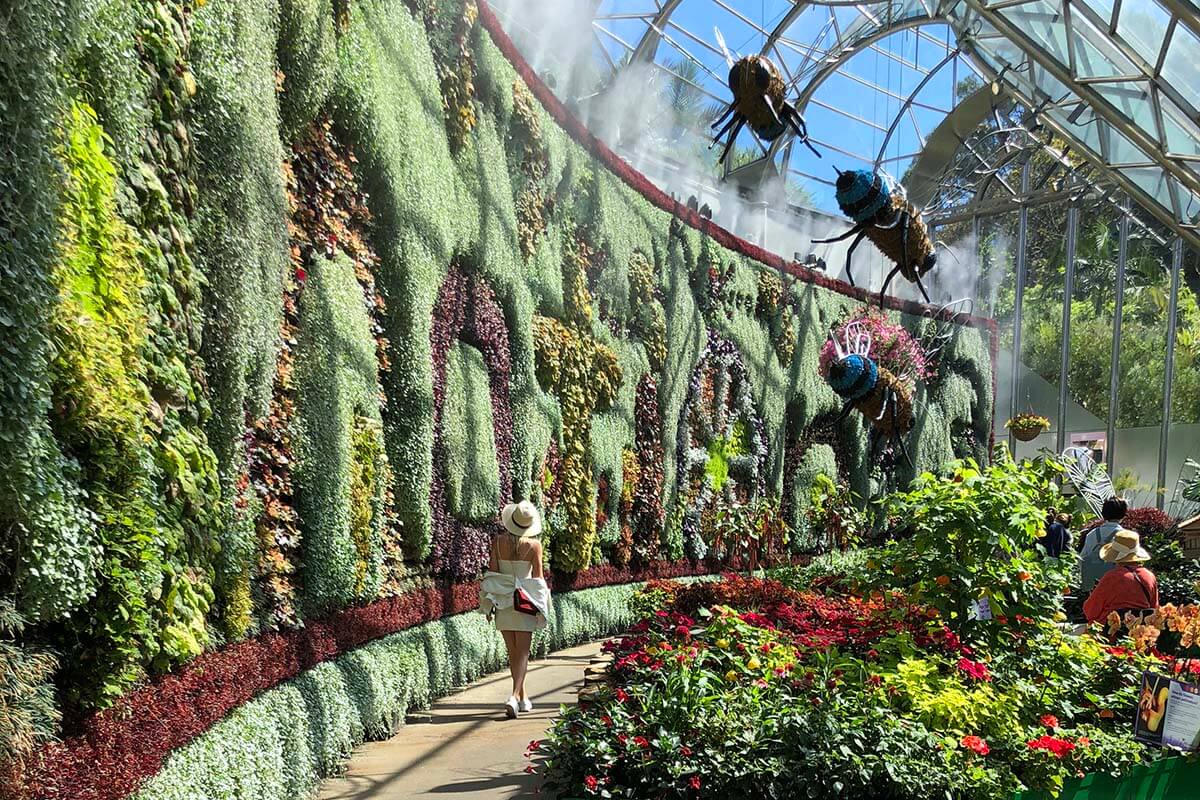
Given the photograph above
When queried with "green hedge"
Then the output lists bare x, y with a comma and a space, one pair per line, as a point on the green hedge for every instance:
281, 744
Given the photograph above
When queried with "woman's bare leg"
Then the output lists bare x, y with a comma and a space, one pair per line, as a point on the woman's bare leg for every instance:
521, 641
510, 645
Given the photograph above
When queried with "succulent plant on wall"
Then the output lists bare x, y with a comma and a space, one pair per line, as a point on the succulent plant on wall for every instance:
534, 200
722, 447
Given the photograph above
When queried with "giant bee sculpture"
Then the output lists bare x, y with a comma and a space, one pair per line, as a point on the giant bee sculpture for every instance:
884, 399
882, 213
760, 98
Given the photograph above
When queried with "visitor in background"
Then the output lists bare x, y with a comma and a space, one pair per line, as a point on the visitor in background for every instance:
1128, 586
1091, 566
515, 594
1056, 537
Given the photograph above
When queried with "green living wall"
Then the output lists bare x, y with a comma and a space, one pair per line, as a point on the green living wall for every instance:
294, 292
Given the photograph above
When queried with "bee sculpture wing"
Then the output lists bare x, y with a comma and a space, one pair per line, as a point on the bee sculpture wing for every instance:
1091, 479
938, 330
857, 339
729, 59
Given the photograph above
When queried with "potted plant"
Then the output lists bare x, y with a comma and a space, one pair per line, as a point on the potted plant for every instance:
1027, 425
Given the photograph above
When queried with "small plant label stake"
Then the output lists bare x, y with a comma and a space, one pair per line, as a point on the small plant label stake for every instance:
981, 610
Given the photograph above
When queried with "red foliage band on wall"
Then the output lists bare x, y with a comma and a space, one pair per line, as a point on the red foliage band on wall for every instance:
118, 749
656, 196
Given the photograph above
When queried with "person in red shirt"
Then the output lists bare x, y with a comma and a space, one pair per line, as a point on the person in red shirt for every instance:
1128, 586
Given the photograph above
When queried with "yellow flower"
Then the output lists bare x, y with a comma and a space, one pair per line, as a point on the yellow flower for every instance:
753, 663
731, 676
723, 644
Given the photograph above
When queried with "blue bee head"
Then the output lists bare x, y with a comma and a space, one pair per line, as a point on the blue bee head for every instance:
853, 377
861, 194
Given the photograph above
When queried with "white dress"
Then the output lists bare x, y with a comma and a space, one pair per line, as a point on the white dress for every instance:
509, 619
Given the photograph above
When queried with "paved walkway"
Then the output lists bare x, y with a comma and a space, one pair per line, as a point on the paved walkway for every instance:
467, 750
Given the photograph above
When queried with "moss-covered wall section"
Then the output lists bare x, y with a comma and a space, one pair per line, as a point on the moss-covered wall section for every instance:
292, 298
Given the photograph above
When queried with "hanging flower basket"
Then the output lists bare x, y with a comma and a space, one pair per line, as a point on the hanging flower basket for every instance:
1027, 426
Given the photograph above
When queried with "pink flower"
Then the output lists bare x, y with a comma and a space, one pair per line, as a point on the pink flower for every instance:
976, 670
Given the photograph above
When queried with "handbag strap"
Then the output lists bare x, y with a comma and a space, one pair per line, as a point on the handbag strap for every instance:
1145, 591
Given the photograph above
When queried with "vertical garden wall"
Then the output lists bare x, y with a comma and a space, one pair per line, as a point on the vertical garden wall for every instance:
293, 293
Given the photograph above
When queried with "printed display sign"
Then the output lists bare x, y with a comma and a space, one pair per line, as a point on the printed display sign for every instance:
1168, 713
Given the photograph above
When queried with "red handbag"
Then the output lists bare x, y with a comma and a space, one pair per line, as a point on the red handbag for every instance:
523, 604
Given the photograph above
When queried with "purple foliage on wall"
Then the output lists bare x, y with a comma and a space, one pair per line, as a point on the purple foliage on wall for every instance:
467, 311
647, 513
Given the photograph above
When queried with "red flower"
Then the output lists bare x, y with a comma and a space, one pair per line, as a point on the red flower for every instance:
529, 769
682, 631
1052, 744
622, 695
684, 750
607, 720
694, 782
976, 670
301, 274
1049, 720
641, 741
591, 783
976, 745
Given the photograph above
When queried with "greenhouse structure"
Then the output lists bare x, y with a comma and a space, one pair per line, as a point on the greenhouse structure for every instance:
599, 398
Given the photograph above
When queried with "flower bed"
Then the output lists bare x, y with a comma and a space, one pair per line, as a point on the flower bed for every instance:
794, 693
882, 679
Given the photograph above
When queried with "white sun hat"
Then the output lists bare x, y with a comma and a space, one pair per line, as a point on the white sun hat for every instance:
522, 519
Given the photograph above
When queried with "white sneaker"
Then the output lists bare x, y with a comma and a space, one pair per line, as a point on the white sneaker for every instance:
510, 708
526, 705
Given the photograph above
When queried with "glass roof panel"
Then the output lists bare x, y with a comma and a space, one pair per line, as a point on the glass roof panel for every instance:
1182, 64
1132, 99
1143, 24
1183, 137
1043, 21
875, 82
1094, 55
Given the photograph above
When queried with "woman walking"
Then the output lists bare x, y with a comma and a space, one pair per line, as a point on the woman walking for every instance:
514, 593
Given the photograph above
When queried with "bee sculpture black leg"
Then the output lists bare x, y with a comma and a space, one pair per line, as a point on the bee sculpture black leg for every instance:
924, 293
847, 407
797, 122
886, 281
723, 117
732, 136
899, 436
861, 230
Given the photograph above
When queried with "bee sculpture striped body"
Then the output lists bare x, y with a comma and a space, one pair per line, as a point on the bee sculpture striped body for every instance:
884, 399
760, 99
883, 214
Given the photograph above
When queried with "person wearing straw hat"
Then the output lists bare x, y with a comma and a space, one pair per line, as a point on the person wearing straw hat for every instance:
514, 593
1129, 585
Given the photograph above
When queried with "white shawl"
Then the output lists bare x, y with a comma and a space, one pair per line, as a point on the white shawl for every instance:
496, 591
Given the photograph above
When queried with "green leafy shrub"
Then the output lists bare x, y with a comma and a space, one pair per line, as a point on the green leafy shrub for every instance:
971, 537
